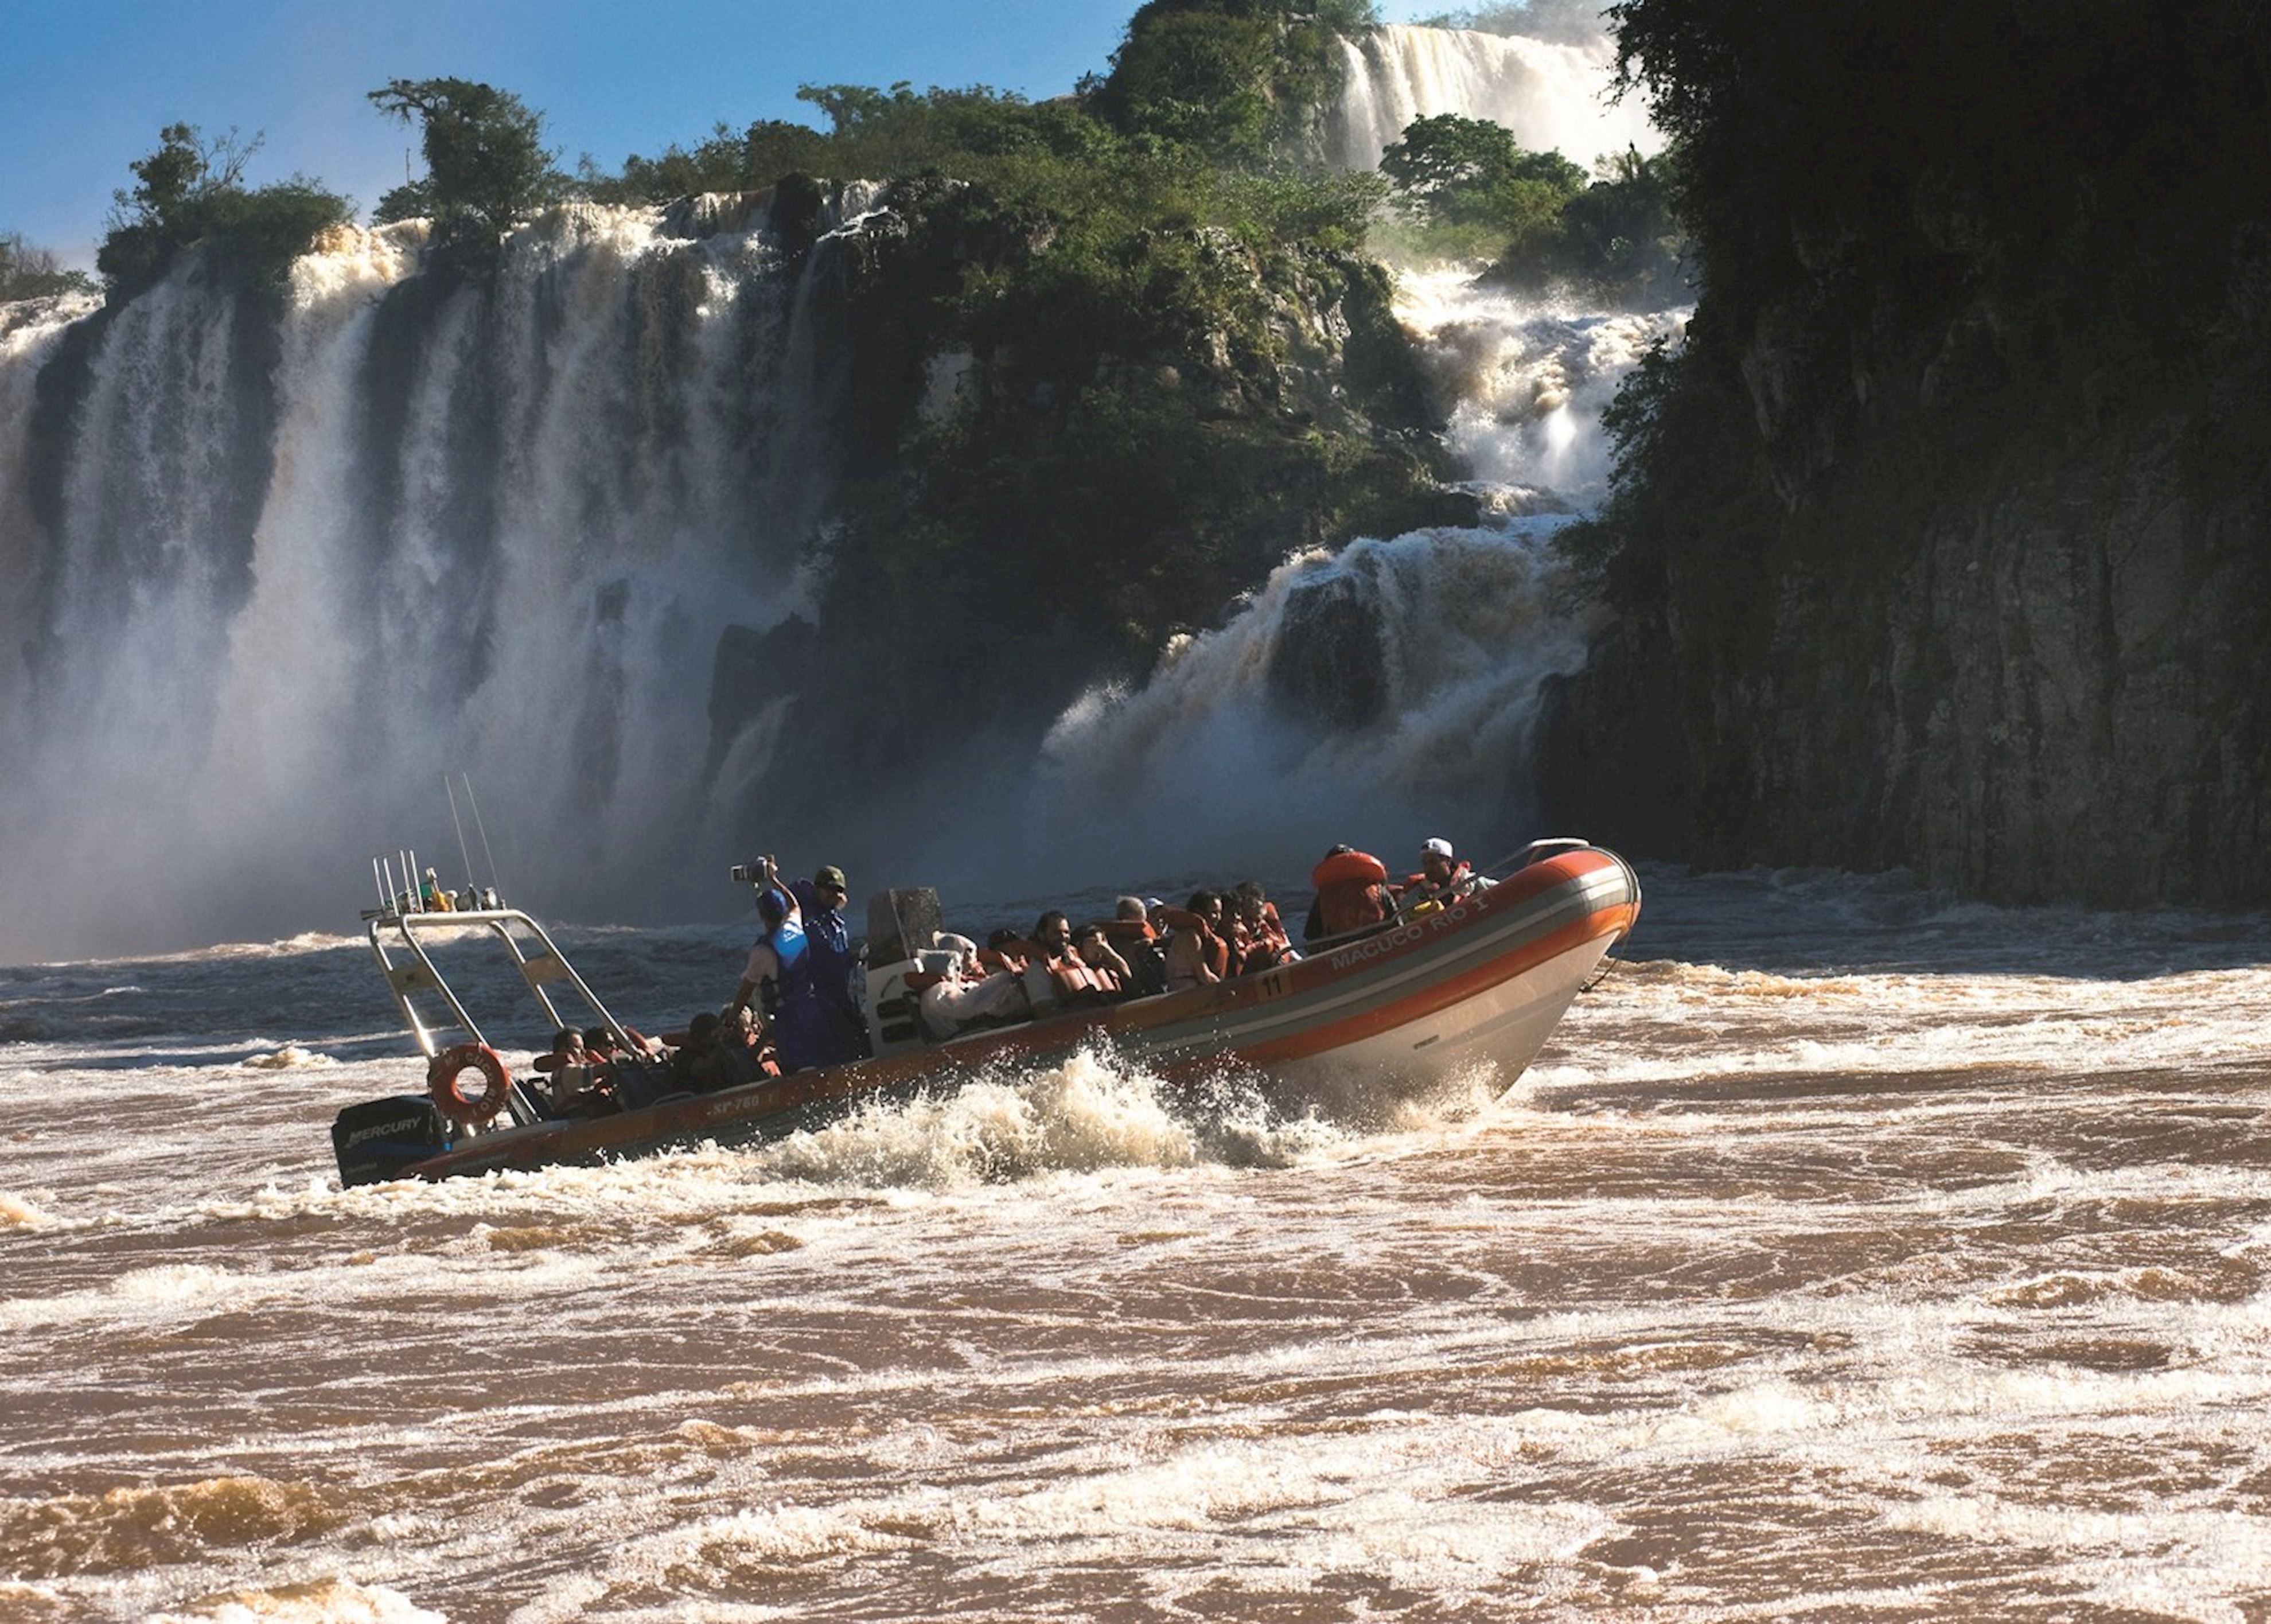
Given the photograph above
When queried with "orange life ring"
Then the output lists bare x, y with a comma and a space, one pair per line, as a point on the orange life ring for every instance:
444, 1079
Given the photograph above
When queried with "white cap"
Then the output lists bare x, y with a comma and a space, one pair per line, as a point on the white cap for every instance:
1436, 848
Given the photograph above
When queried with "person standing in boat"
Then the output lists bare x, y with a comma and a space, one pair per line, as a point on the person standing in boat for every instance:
828, 934
780, 976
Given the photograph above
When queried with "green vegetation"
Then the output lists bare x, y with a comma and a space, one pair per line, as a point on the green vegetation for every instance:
191, 190
1968, 231
487, 167
1463, 190
1240, 80
1173, 364
1467, 192
28, 273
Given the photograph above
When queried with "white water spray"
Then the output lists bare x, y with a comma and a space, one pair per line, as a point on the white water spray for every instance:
278, 594
1552, 97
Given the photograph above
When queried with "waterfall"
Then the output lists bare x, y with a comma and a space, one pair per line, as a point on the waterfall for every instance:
1387, 692
272, 576
270, 568
1553, 97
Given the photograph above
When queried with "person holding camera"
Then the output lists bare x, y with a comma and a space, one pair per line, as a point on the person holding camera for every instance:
780, 976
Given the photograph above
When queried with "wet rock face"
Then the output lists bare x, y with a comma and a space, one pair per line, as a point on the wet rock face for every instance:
2058, 695
1329, 664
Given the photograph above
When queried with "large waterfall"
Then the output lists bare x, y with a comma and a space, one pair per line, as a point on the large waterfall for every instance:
269, 581
1550, 95
1385, 692
493, 535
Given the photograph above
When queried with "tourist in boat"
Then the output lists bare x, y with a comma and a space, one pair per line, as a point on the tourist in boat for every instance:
579, 1086
1095, 951
780, 976
1257, 935
694, 1062
435, 899
969, 992
1352, 893
1130, 934
828, 936
1196, 953
1443, 878
1057, 977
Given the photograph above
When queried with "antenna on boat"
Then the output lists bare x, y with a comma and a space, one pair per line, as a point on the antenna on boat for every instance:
481, 829
463, 855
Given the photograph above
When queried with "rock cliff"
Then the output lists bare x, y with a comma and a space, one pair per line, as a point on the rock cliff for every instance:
1944, 544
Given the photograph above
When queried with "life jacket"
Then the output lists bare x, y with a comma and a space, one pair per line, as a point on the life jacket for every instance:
793, 954
1075, 978
1262, 946
1350, 893
1212, 948
829, 940
1419, 889
1012, 956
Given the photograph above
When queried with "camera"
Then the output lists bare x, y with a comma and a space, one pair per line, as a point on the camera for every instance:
745, 873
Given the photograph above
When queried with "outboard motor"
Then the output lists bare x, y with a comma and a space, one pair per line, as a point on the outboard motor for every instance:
902, 926
376, 1140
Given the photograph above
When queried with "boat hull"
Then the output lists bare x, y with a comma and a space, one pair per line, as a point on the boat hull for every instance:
1484, 980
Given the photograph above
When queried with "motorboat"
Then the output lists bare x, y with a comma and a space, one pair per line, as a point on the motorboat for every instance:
1375, 1013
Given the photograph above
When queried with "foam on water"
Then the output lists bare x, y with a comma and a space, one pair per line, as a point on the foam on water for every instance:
1793, 1252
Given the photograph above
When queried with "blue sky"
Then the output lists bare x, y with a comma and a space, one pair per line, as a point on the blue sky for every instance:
86, 84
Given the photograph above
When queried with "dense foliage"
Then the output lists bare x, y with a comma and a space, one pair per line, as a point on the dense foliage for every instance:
29, 273
191, 190
487, 167
1464, 190
1241, 80
1144, 412
1918, 221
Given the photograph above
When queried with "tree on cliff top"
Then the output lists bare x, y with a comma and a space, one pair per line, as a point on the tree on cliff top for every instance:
191, 190
1235, 78
487, 167
28, 273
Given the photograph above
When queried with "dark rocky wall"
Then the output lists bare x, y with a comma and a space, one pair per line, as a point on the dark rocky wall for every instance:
1946, 544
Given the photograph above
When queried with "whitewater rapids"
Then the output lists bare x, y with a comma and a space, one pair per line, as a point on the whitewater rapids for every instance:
1852, 1253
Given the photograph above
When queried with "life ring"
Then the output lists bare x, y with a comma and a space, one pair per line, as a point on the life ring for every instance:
445, 1078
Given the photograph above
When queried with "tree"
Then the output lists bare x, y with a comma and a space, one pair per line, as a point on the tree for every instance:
193, 191
28, 273
487, 167
1239, 79
1461, 168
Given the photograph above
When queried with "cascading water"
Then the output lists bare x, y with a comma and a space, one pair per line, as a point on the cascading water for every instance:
1388, 691
1550, 95
271, 578
280, 577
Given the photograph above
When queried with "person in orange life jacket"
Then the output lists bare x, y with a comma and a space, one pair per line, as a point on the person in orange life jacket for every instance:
829, 938
779, 973
579, 1087
1057, 977
1096, 951
1197, 952
1352, 893
1257, 937
1442, 877
1129, 933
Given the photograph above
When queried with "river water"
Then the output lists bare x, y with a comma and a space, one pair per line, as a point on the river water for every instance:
1852, 1253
